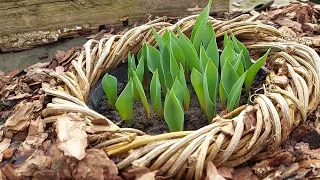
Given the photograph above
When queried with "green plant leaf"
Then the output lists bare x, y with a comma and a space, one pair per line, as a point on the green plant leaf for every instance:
109, 85
131, 61
237, 64
226, 55
124, 103
210, 86
142, 95
235, 93
200, 30
197, 83
177, 51
189, 51
166, 57
140, 69
131, 64
213, 51
226, 40
153, 58
204, 59
201, 19
238, 46
182, 80
160, 40
174, 68
173, 36
208, 35
253, 70
155, 93
178, 90
173, 113
166, 35
229, 77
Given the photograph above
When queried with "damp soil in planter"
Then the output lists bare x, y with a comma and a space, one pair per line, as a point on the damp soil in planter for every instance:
194, 117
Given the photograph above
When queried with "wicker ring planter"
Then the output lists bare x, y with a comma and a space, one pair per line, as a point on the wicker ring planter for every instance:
259, 128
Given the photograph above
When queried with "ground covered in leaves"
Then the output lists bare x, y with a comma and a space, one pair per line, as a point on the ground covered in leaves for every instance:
31, 148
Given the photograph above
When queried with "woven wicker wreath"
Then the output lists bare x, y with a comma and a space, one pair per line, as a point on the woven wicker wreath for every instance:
225, 142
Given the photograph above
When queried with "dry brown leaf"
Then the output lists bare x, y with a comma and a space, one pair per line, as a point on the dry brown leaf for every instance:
19, 96
8, 153
21, 116
95, 165
4, 144
147, 176
46, 174
36, 162
226, 172
287, 32
289, 23
244, 173
8, 171
39, 65
212, 172
71, 135
59, 55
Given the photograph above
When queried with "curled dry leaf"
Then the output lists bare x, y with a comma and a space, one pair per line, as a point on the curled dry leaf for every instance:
70, 129
95, 165
212, 172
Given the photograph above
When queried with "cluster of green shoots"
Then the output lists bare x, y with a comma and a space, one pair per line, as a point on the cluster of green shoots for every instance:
165, 72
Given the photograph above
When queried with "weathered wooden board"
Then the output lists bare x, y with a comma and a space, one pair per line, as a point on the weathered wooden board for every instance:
31, 16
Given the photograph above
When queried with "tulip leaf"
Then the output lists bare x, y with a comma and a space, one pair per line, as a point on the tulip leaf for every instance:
140, 69
197, 83
124, 103
253, 70
109, 85
177, 51
201, 19
182, 80
234, 95
166, 58
208, 35
153, 58
178, 90
226, 55
174, 68
155, 93
203, 58
213, 51
166, 35
142, 95
229, 76
189, 51
160, 41
173, 113
210, 86
238, 46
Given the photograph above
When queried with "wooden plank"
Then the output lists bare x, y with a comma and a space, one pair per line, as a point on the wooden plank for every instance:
52, 16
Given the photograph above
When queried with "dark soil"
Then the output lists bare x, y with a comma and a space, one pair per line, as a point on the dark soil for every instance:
194, 118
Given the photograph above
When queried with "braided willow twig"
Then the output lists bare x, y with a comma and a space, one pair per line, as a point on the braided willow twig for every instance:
227, 141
